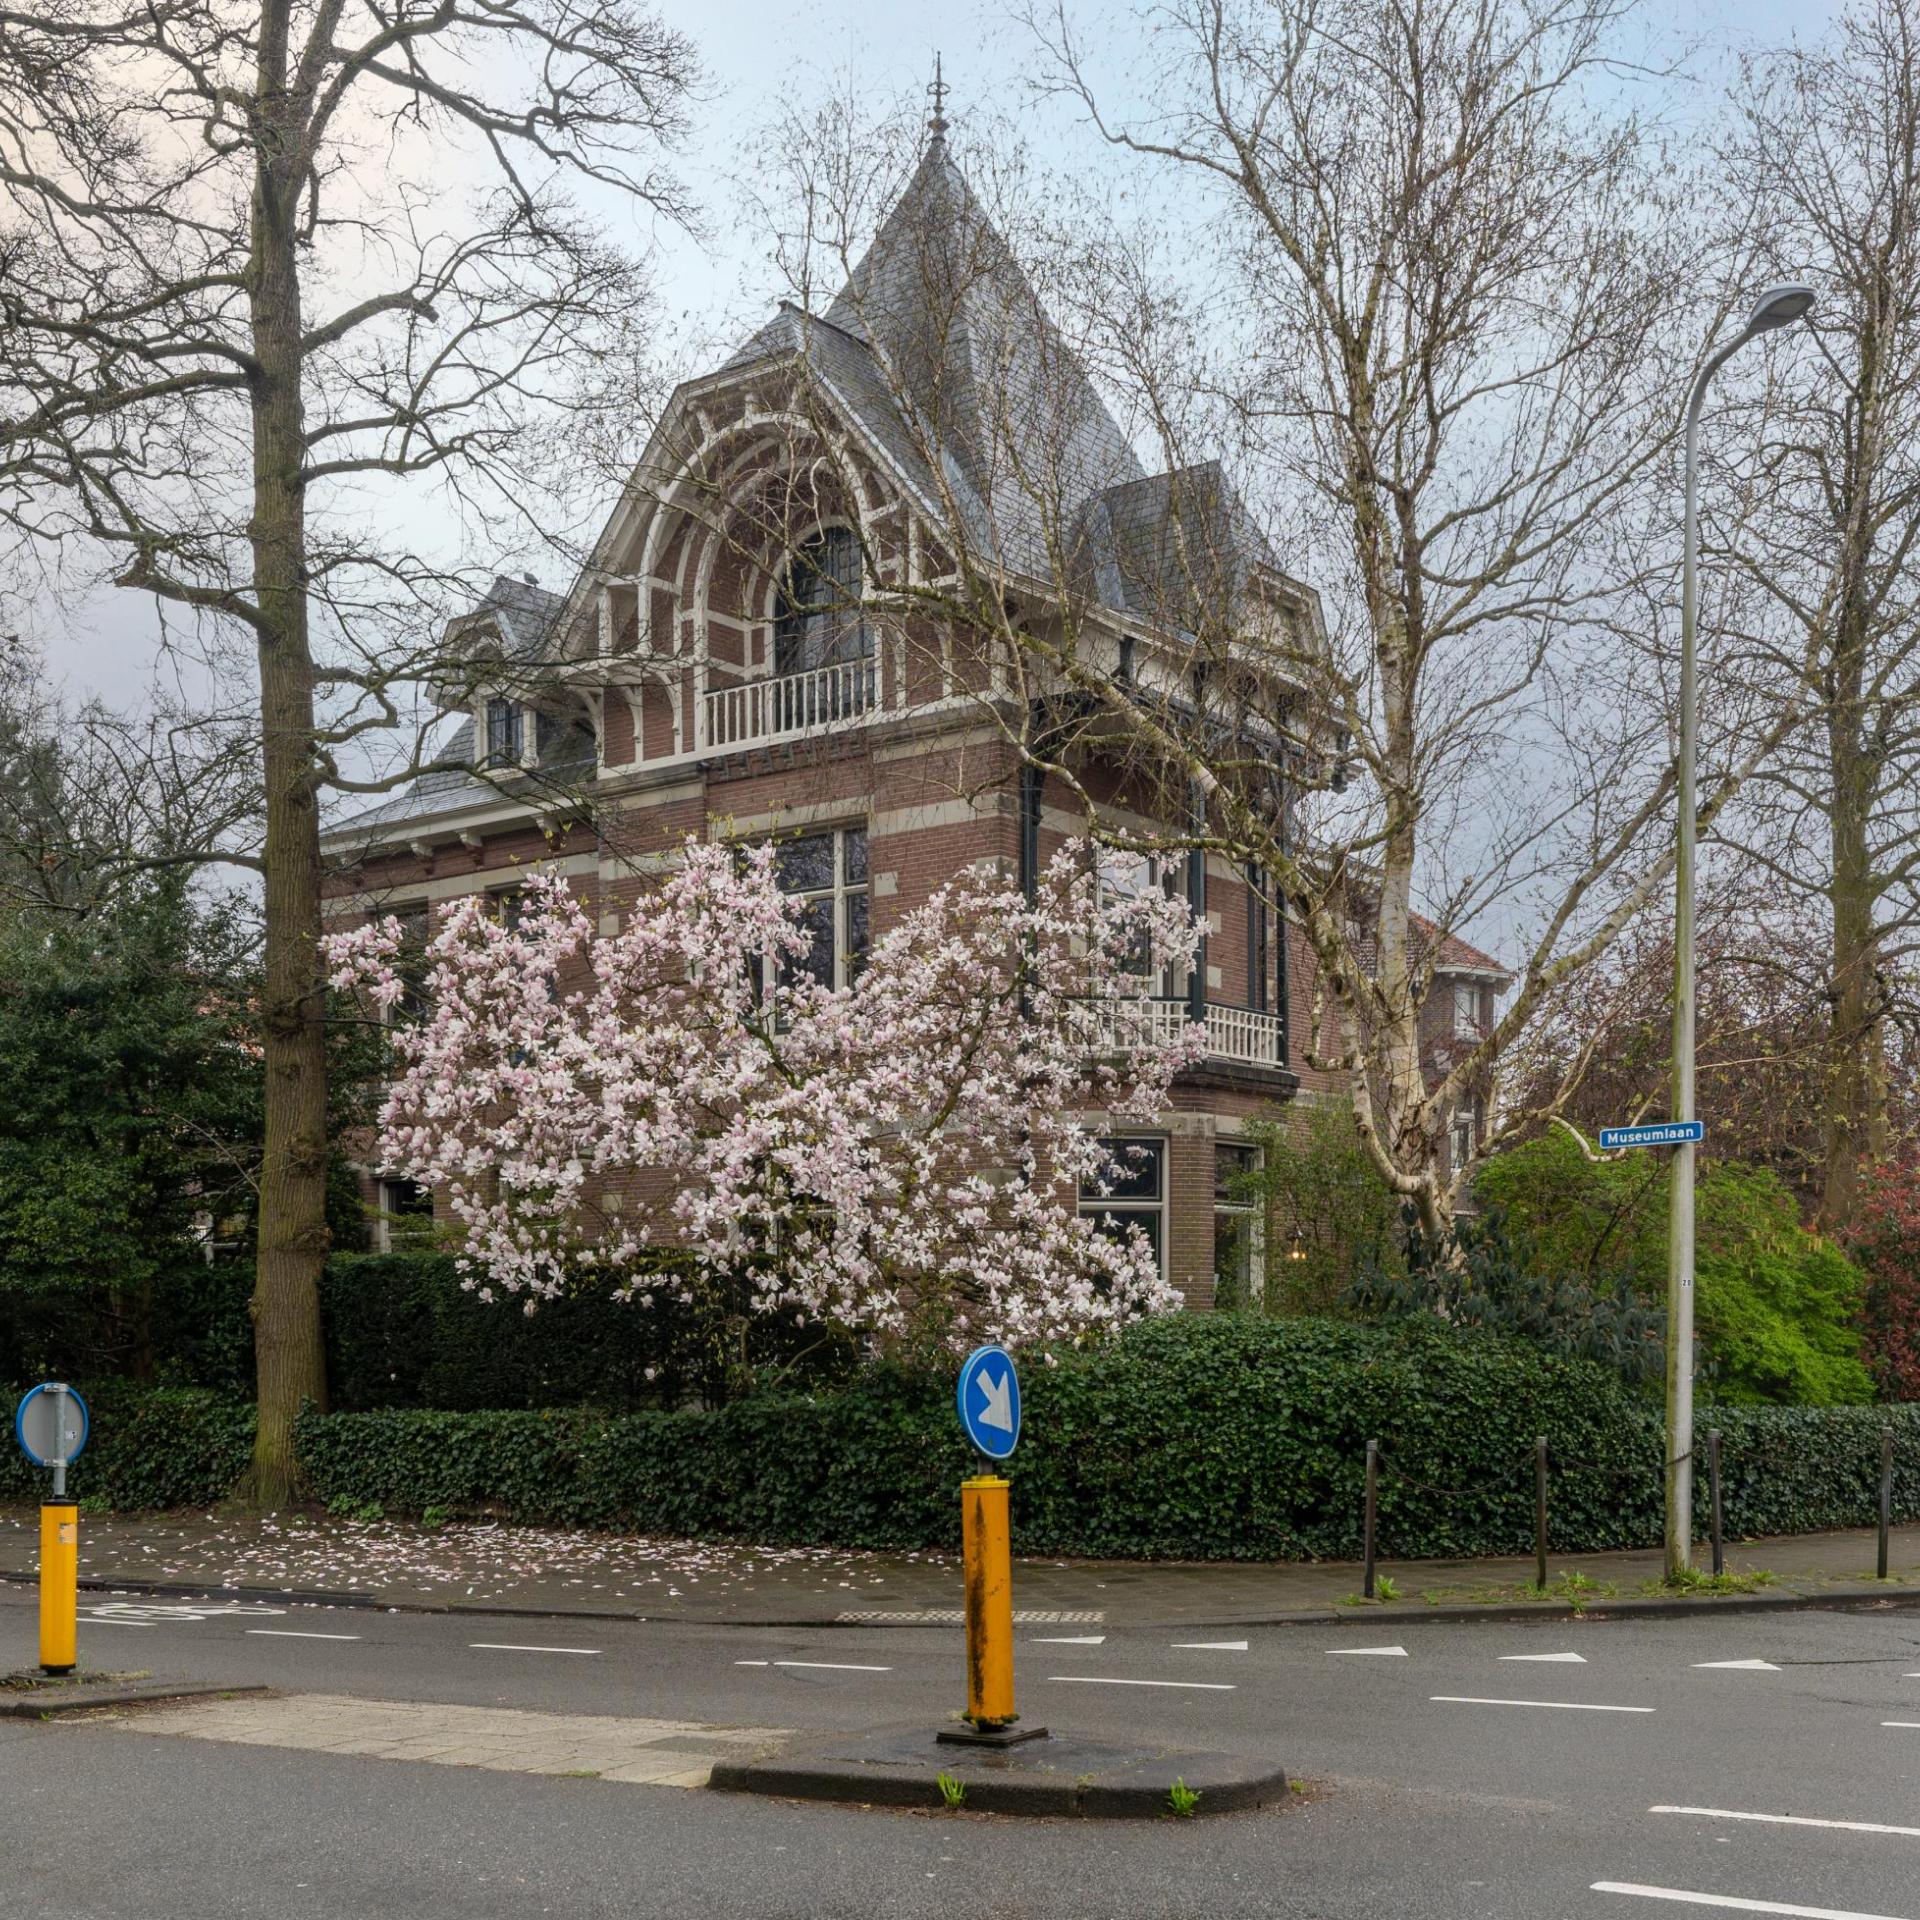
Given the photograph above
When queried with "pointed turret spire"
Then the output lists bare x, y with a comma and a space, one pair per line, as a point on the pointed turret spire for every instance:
937, 125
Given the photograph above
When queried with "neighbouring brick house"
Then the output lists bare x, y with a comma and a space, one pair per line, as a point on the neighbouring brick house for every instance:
754, 649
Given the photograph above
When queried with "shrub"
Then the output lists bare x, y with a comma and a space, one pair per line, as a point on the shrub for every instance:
1190, 1438
1885, 1240
1777, 1308
1476, 1276
1208, 1438
1315, 1176
401, 1331
149, 1447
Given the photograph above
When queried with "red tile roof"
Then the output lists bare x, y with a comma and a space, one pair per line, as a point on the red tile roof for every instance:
1456, 956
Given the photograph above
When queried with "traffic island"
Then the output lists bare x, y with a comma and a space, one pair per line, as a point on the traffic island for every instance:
1058, 1775
31, 1695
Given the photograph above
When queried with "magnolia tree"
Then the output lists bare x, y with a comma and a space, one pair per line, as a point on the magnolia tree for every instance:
900, 1156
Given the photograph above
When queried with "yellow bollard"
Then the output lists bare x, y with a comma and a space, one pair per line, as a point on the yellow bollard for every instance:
59, 1586
987, 1555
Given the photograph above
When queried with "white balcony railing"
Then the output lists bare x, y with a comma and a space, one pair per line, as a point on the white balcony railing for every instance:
1238, 1034
795, 706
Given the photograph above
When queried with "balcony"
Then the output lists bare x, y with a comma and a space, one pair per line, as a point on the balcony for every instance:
1239, 1036
794, 706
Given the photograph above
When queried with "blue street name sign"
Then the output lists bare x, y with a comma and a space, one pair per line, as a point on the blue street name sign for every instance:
1663, 1133
989, 1401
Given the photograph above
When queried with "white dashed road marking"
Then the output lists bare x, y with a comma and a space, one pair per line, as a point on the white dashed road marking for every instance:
827, 1666
1563, 1706
1566, 1659
1069, 1640
1396, 1653
1790, 1820
1729, 1900
1100, 1680
1739, 1666
512, 1646
293, 1633
1210, 1646
1900, 1723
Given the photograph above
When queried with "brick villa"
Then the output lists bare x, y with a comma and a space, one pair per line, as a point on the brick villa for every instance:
766, 642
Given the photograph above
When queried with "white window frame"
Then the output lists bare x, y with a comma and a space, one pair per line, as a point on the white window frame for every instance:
1094, 1204
1252, 1211
841, 890
1466, 1010
1122, 874
386, 1213
519, 712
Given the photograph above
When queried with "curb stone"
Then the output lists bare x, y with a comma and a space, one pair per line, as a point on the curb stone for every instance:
1862, 1599
41, 1703
1059, 1777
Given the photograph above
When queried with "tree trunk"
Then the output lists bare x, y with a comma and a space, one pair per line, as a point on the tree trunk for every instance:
1854, 1108
289, 1359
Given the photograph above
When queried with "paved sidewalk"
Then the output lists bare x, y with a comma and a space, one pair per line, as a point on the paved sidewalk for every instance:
660, 1753
544, 1571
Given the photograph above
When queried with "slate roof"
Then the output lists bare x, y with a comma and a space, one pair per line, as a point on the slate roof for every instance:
939, 349
525, 614
938, 343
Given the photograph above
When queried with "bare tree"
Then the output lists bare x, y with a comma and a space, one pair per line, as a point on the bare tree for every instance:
265, 270
1404, 664
1826, 147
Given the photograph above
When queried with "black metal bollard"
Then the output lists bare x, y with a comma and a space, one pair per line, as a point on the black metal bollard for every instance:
1886, 1497
1713, 1485
1540, 1512
1373, 1500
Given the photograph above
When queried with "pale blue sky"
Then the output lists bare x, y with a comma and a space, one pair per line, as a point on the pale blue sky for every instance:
759, 54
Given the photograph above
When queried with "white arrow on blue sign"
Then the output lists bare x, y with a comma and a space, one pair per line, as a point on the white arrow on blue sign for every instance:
1661, 1133
989, 1401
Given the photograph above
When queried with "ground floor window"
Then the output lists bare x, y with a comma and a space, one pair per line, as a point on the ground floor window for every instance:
1136, 1196
406, 1217
1239, 1241
827, 874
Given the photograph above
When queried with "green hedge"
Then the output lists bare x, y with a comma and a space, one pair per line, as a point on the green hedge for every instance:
401, 1331
1195, 1437
1213, 1437
148, 1448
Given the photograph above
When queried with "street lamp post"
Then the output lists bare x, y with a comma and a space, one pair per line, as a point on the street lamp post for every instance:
1777, 307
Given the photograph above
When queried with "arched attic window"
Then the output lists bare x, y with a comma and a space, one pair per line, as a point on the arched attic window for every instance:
816, 620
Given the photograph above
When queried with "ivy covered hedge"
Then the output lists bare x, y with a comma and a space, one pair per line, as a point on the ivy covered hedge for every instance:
149, 1447
1200, 1437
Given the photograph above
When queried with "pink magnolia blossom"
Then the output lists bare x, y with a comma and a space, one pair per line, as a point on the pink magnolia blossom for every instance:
900, 1156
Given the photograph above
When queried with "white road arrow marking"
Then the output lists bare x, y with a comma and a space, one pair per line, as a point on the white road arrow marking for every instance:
998, 1412
1740, 1666
516, 1646
1210, 1646
1069, 1640
1394, 1653
1565, 1659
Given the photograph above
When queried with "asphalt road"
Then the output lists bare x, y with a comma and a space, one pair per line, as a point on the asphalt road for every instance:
1467, 1776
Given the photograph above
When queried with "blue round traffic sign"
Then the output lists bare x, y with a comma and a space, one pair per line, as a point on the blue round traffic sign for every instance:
51, 1424
989, 1401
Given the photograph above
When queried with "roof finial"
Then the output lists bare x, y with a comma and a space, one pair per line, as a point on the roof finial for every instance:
937, 126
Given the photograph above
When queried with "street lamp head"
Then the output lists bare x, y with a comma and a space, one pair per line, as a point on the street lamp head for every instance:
1780, 307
